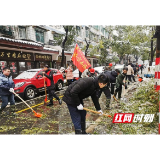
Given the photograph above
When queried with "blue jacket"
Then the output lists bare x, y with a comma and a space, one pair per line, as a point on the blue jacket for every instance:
5, 84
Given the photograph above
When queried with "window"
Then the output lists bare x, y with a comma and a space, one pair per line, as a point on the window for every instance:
102, 30
78, 29
7, 30
40, 73
22, 32
23, 66
95, 27
39, 36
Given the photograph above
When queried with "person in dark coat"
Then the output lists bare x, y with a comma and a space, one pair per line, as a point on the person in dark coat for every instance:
112, 80
6, 88
48, 75
141, 67
133, 75
74, 95
119, 82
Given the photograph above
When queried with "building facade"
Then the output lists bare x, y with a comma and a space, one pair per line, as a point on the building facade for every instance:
33, 46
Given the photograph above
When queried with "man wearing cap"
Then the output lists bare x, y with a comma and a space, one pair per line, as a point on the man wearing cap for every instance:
48, 75
92, 73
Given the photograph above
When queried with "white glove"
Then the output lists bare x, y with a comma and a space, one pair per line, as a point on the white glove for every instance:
80, 107
100, 111
11, 90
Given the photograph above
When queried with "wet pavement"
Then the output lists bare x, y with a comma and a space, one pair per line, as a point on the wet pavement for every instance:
55, 119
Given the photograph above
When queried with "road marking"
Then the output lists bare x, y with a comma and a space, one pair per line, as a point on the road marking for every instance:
35, 105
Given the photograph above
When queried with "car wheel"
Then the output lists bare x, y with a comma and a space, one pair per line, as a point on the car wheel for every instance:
59, 85
30, 93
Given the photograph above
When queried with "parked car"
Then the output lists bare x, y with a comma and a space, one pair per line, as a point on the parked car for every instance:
76, 73
31, 82
99, 69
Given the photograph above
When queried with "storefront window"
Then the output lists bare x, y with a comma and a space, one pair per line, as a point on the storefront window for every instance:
13, 68
2, 65
30, 65
22, 67
42, 64
57, 64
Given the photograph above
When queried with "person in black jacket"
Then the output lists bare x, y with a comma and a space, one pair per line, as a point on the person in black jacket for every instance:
48, 75
112, 80
141, 67
74, 95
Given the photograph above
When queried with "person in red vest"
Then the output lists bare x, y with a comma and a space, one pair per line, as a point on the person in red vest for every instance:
48, 75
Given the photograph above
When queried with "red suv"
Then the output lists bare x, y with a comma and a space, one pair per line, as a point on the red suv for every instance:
31, 82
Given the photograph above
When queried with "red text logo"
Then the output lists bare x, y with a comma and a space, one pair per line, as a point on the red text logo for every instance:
123, 118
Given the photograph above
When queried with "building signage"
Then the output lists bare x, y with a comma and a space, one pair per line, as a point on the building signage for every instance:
42, 57
16, 55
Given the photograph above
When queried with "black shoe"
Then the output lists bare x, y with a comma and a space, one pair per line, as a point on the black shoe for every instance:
83, 126
78, 131
50, 104
60, 101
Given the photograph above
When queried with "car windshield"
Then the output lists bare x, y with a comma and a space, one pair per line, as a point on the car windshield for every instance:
26, 75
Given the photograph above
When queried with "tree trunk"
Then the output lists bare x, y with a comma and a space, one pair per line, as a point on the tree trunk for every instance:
158, 43
87, 46
136, 58
152, 50
152, 54
63, 47
62, 61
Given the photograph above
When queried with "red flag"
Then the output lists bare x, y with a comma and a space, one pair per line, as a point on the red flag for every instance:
79, 59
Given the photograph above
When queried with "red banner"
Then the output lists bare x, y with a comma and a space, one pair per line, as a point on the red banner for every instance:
79, 59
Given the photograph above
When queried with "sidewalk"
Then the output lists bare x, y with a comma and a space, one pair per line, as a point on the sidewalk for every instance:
143, 104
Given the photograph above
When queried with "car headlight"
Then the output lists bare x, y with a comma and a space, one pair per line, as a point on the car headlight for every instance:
17, 85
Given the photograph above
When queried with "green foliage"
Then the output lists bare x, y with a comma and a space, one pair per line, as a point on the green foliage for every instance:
70, 37
130, 39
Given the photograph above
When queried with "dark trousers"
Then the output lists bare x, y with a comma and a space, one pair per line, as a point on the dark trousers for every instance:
128, 77
77, 116
112, 88
119, 90
52, 94
6, 99
132, 76
106, 91
141, 71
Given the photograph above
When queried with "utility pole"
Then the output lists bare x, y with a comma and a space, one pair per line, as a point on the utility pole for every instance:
157, 62
157, 65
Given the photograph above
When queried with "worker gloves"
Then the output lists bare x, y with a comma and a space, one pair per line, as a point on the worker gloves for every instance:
11, 90
80, 107
100, 111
